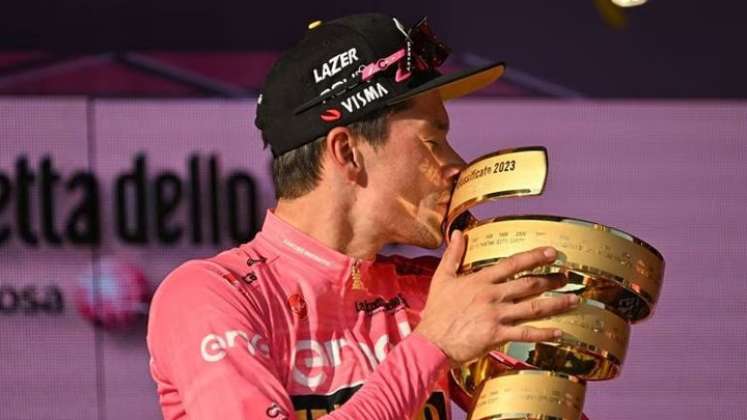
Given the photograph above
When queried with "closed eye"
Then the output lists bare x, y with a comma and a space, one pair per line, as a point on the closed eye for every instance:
432, 144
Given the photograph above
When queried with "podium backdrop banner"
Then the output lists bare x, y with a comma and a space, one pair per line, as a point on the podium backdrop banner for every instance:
100, 199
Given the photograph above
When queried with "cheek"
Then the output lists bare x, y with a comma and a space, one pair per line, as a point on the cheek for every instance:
410, 173
416, 180
429, 171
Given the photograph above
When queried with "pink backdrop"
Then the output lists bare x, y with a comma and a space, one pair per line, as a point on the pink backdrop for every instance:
673, 173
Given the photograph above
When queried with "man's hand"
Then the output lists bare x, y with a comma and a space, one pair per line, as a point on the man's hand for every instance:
468, 316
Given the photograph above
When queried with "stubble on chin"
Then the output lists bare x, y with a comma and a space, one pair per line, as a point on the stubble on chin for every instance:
430, 239
428, 230
418, 225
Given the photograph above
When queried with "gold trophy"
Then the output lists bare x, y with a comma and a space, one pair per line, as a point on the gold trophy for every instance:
617, 276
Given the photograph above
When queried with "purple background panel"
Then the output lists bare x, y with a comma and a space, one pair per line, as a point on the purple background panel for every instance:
672, 173
167, 132
48, 365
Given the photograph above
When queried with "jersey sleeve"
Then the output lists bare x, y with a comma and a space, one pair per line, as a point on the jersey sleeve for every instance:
208, 344
400, 385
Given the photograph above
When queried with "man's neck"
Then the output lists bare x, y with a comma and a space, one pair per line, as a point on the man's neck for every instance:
332, 221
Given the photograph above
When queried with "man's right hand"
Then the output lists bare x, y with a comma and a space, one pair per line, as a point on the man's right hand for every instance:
471, 315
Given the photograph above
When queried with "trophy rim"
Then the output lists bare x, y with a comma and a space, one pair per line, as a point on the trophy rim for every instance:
454, 213
593, 277
577, 221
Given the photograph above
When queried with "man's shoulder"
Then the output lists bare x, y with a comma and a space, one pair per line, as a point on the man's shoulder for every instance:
229, 274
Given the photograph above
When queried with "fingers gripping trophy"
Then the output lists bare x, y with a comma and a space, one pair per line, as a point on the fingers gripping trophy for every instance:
616, 276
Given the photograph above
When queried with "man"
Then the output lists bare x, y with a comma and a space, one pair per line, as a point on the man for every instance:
306, 321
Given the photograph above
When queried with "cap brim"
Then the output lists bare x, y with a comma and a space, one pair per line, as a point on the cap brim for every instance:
459, 83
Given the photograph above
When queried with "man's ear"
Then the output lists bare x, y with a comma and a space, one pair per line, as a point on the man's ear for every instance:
342, 152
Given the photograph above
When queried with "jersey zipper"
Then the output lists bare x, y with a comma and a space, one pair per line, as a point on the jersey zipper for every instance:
355, 275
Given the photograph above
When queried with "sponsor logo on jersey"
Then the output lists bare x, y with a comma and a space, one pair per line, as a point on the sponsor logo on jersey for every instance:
231, 278
312, 407
215, 347
380, 304
298, 306
274, 411
305, 252
259, 260
250, 277
235, 281
314, 362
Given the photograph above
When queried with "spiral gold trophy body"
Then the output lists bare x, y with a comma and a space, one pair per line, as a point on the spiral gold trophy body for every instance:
617, 276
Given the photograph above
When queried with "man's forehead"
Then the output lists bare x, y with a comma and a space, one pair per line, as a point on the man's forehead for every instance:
425, 111
430, 108
430, 121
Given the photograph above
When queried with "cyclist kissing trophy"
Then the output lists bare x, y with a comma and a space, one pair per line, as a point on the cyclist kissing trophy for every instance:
617, 276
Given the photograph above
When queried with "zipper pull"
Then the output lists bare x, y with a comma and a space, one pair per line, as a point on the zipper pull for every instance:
355, 274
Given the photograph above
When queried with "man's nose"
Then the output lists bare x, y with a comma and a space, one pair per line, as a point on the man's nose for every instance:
453, 166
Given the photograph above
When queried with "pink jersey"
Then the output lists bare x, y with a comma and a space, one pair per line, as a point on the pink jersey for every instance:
283, 327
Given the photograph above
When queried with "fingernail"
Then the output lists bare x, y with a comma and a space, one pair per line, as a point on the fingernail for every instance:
453, 234
557, 333
573, 299
550, 253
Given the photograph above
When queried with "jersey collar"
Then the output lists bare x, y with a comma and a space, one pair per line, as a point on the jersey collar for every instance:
302, 247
